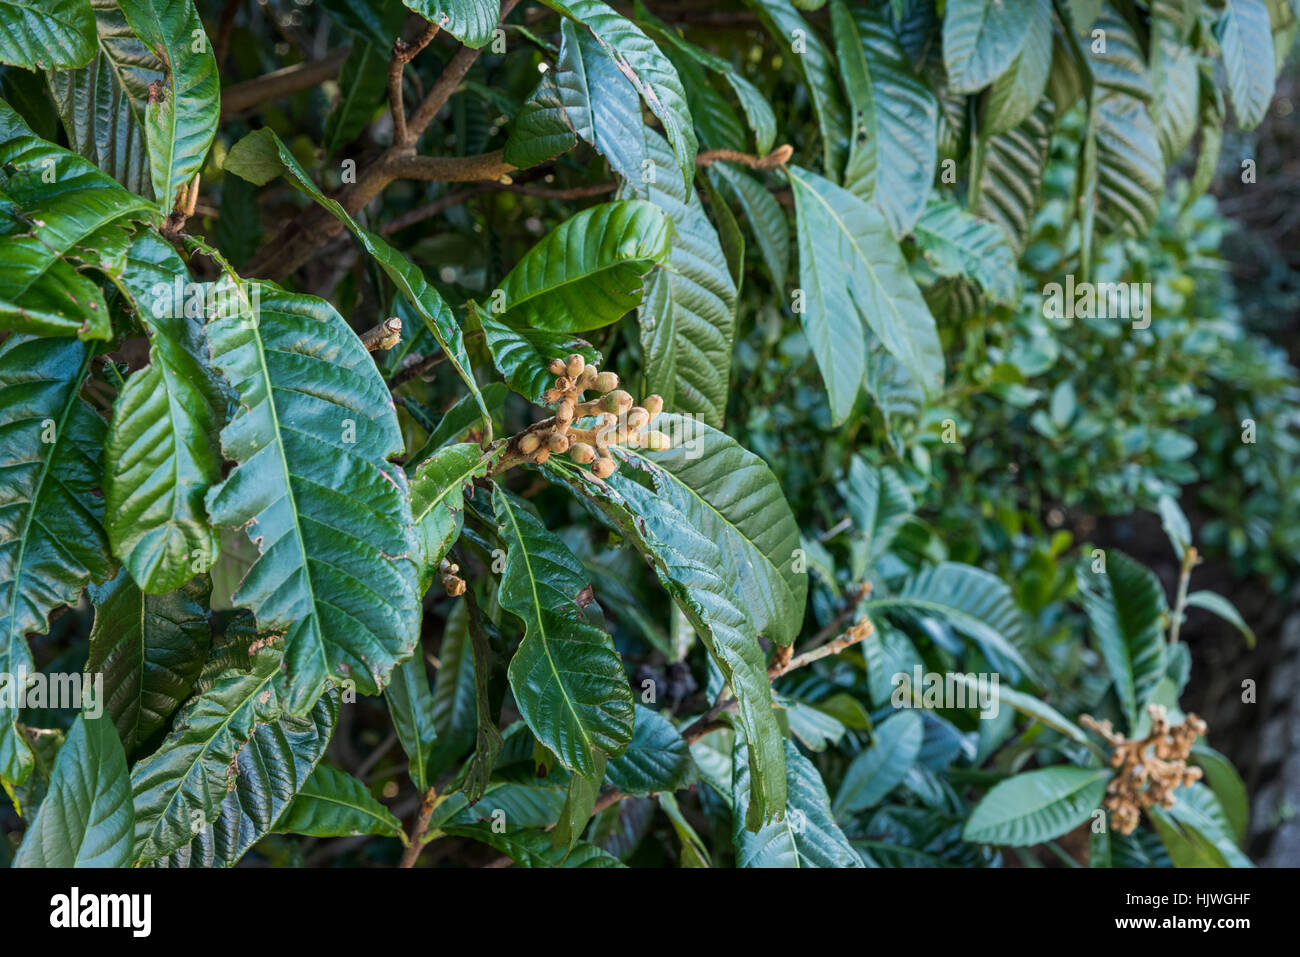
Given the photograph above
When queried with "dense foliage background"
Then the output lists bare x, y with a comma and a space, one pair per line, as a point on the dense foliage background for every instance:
363, 599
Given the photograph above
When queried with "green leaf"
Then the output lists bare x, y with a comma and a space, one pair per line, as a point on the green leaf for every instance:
757, 110
438, 502
380, 21
51, 540
102, 105
181, 120
894, 142
45, 283
982, 38
657, 759
1015, 94
260, 156
767, 220
853, 275
817, 65
269, 771
331, 516
587, 272
688, 317
332, 803
694, 852
523, 356
40, 34
957, 243
1026, 704
1036, 806
879, 503
807, 836
1247, 43
150, 649
454, 705
976, 603
160, 455
85, 819
881, 767
1175, 524
1227, 786
686, 563
1175, 100
532, 848
1212, 602
1130, 164
1126, 609
412, 708
730, 496
236, 732
472, 22
567, 679
362, 87
646, 67
1012, 173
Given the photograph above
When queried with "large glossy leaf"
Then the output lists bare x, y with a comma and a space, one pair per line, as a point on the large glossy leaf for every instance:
817, 64
52, 543
45, 283
853, 274
523, 356
688, 317
881, 767
686, 562
976, 603
1126, 610
894, 141
332, 803
730, 496
85, 819
957, 243
438, 502
768, 222
263, 782
807, 836
102, 105
1247, 43
1130, 164
567, 679
469, 21
1176, 99
1012, 172
982, 38
657, 759
757, 110
150, 649
336, 569
1015, 94
1036, 806
587, 272
231, 765
649, 70
181, 120
533, 847
160, 457
586, 96
261, 156
454, 705
411, 706
40, 34
879, 503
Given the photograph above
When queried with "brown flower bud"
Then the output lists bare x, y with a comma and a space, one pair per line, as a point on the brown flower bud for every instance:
541, 455
574, 365
582, 453
558, 442
604, 468
638, 418
455, 586
618, 402
529, 443
606, 382
564, 412
656, 442
654, 404
563, 384
557, 367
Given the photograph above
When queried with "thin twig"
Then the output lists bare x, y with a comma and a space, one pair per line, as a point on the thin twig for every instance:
404, 53
292, 79
383, 336
778, 157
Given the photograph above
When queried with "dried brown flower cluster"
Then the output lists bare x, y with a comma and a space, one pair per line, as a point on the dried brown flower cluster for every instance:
620, 421
1150, 768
